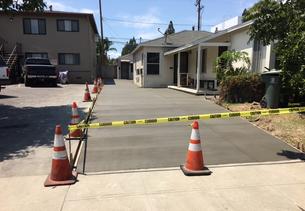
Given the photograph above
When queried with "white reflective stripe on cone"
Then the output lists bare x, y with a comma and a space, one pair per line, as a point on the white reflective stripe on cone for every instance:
75, 120
74, 112
59, 141
61, 155
195, 134
194, 147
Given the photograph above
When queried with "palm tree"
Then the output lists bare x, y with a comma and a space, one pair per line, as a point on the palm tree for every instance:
107, 47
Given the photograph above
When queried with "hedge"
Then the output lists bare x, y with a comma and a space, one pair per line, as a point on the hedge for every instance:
242, 88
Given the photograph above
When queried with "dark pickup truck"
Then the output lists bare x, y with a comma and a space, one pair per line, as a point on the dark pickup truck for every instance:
39, 70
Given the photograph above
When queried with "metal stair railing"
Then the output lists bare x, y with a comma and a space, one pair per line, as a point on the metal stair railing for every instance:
1, 49
12, 59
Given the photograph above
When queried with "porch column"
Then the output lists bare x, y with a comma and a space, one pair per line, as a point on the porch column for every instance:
199, 63
178, 70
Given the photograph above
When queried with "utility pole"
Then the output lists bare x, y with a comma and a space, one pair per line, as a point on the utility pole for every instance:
199, 8
102, 35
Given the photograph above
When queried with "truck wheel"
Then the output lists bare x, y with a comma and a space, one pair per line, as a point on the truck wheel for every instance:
54, 83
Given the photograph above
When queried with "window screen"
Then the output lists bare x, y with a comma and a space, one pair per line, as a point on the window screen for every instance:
153, 63
68, 25
34, 26
68, 59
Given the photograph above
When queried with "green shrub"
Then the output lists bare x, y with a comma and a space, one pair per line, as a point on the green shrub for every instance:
242, 88
223, 65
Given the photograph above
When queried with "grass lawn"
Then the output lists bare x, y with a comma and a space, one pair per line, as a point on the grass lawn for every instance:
289, 127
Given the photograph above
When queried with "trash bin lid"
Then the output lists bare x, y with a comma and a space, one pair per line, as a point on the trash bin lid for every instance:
272, 72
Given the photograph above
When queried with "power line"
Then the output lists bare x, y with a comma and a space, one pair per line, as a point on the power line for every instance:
124, 38
149, 23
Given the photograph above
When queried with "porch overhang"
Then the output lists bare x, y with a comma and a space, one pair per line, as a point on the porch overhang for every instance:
191, 46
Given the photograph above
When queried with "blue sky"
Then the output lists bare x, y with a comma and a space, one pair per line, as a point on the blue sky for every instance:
182, 12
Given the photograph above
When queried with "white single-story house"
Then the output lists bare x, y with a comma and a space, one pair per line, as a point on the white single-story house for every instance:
125, 67
172, 61
152, 68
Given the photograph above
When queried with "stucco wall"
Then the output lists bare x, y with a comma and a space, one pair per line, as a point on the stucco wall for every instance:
240, 42
138, 65
166, 71
54, 42
164, 78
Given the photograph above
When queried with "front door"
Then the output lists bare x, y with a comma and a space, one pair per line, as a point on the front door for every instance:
184, 61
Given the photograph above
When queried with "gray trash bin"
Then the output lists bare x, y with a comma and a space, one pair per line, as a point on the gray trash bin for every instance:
273, 86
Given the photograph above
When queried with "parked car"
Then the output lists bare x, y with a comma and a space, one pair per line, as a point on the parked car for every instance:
39, 70
4, 73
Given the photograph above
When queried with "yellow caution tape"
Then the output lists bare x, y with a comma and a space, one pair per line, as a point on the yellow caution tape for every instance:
263, 112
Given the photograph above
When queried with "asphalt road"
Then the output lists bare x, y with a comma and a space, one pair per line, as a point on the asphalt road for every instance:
27, 121
224, 141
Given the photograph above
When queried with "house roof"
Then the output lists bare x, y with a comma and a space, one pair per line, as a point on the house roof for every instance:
212, 36
127, 57
175, 40
54, 13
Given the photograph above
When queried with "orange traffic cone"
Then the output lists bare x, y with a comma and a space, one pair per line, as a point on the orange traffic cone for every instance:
74, 121
61, 172
95, 89
194, 160
87, 96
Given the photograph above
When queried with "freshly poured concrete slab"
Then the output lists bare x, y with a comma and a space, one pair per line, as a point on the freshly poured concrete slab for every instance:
165, 145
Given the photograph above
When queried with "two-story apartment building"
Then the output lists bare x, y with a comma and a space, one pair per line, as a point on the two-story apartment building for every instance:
68, 39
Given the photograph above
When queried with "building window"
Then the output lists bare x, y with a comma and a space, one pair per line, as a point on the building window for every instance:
68, 59
153, 63
68, 25
34, 26
37, 55
222, 49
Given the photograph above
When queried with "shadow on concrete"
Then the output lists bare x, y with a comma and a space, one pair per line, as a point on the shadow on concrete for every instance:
39, 85
108, 81
292, 155
6, 96
27, 127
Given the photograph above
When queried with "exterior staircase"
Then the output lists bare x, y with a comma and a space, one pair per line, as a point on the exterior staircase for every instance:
12, 59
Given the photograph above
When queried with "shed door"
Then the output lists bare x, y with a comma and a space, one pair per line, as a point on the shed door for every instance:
125, 70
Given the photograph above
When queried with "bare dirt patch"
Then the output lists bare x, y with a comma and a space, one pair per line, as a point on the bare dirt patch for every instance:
290, 128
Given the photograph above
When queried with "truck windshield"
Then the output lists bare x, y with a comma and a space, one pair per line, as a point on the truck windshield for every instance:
2, 62
37, 61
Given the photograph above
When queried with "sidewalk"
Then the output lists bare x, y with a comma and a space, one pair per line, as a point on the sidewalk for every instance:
261, 186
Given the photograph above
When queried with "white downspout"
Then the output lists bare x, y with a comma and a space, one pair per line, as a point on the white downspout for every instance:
178, 71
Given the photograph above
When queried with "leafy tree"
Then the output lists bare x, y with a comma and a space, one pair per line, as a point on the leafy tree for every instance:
25, 5
33, 5
129, 46
6, 5
224, 64
284, 24
170, 29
